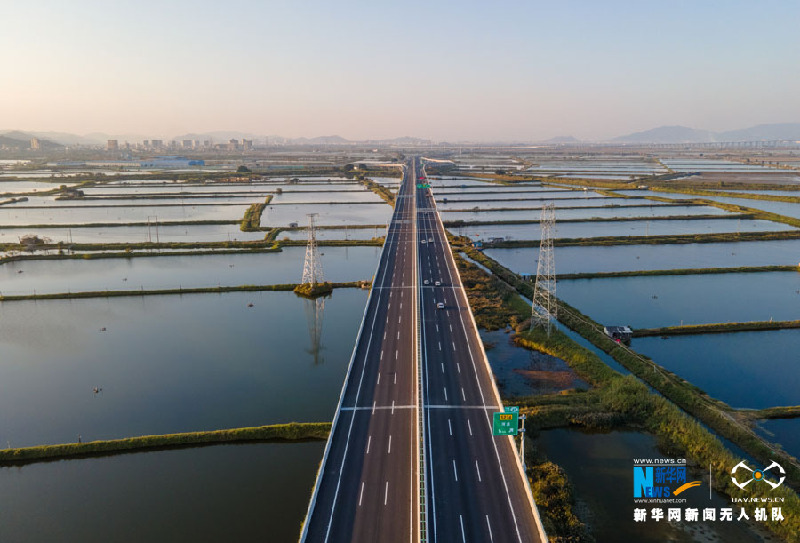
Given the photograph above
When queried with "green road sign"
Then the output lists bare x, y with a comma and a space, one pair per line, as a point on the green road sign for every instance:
423, 186
506, 423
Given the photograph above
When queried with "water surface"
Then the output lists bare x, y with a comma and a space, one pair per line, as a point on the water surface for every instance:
252, 492
743, 369
670, 300
590, 229
169, 364
340, 265
612, 258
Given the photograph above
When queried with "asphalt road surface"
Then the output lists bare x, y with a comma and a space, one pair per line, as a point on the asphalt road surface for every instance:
397, 403
368, 487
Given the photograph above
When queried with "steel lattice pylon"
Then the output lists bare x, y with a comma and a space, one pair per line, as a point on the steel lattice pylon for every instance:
312, 269
543, 309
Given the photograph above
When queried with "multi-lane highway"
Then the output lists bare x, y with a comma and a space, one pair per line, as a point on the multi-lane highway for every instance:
368, 485
476, 490
411, 454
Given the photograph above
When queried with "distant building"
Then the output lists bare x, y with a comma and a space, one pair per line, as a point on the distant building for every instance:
155, 144
112, 145
233, 145
170, 162
187, 144
35, 144
247, 145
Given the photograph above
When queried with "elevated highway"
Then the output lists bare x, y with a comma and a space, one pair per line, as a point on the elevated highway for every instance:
411, 456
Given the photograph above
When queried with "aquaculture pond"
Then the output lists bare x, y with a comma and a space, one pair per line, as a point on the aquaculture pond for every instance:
345, 197
335, 233
600, 468
612, 258
700, 165
781, 208
21, 215
340, 264
592, 229
743, 369
250, 492
581, 213
180, 233
537, 204
785, 432
30, 186
490, 193
670, 300
327, 214
451, 182
166, 364
535, 196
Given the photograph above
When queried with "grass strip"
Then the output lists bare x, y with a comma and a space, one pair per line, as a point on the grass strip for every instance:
716, 328
293, 431
677, 271
172, 291
784, 412
382, 191
251, 222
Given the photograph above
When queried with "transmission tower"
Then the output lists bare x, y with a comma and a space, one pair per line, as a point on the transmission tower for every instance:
543, 309
312, 269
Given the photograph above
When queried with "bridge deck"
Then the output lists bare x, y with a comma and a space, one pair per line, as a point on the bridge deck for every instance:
368, 485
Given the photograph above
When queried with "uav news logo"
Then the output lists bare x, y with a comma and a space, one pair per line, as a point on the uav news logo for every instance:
757, 475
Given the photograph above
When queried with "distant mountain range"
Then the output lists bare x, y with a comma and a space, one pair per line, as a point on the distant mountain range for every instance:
663, 134
684, 134
19, 139
15, 139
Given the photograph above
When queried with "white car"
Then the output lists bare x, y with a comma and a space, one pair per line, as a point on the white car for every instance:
430, 239
440, 305
425, 282
423, 241
438, 283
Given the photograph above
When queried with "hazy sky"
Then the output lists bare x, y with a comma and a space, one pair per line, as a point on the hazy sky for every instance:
481, 70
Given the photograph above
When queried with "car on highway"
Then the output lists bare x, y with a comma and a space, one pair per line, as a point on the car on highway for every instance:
423, 241
438, 283
425, 282
440, 305
430, 240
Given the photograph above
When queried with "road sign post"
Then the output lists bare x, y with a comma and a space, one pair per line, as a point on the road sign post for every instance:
506, 423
